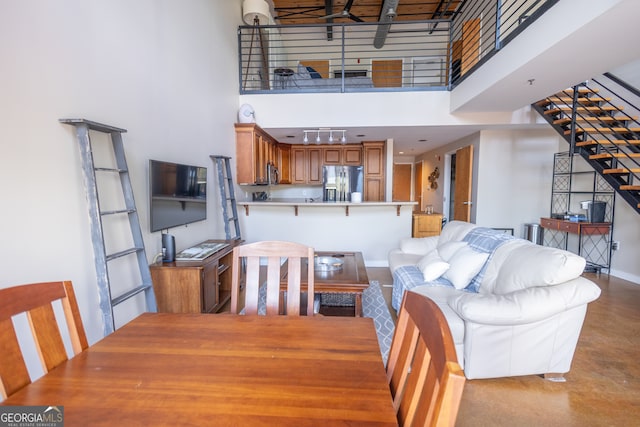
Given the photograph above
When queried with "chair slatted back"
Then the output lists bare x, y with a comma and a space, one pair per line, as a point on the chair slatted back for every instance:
274, 252
425, 379
35, 300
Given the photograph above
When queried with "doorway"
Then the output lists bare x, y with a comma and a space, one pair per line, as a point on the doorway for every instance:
401, 182
458, 184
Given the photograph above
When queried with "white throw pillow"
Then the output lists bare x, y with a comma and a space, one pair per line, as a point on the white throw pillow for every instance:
432, 266
447, 250
418, 245
464, 265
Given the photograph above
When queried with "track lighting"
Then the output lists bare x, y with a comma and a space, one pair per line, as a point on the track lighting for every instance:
319, 131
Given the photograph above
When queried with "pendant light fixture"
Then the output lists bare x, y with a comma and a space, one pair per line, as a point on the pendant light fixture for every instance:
320, 131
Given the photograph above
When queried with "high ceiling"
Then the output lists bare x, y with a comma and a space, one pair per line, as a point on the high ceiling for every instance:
292, 12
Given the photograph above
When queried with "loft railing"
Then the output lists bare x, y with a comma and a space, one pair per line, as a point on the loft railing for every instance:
414, 55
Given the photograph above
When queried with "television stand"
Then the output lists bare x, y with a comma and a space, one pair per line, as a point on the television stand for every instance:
200, 251
197, 285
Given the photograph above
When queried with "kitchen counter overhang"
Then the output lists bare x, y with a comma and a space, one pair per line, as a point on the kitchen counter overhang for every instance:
319, 204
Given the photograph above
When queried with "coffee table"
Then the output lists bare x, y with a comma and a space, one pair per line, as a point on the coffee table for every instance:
350, 279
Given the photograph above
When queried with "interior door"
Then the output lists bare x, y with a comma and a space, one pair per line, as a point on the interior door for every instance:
471, 31
401, 182
386, 73
462, 192
417, 186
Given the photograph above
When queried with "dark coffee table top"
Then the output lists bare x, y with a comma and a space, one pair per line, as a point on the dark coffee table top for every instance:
351, 278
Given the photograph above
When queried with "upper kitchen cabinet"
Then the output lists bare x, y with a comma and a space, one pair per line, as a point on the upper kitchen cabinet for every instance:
283, 156
374, 176
342, 155
256, 154
306, 165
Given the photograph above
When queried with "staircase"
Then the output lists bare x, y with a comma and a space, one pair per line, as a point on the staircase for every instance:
600, 122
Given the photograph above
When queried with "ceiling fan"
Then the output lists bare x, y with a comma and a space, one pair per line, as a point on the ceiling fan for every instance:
345, 13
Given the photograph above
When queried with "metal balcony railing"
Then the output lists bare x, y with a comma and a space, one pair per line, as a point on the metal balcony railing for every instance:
352, 57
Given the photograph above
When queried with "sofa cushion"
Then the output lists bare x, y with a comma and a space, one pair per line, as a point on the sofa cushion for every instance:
454, 231
418, 245
465, 264
534, 265
448, 249
432, 266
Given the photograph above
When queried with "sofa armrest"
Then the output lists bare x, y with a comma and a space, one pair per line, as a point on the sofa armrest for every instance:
526, 305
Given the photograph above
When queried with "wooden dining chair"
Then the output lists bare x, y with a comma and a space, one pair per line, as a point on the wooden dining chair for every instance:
424, 376
36, 301
273, 253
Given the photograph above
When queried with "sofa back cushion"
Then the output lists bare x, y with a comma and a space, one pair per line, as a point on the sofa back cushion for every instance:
454, 231
529, 265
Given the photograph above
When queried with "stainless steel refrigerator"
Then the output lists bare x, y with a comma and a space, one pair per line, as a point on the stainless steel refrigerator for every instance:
340, 181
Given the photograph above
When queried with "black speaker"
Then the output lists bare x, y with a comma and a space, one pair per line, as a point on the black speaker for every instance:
168, 248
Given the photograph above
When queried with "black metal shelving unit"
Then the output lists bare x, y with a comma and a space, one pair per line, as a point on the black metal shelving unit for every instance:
574, 182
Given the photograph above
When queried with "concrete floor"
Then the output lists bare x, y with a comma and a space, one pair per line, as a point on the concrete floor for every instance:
602, 388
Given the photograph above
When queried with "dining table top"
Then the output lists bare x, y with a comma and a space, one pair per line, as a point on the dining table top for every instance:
223, 369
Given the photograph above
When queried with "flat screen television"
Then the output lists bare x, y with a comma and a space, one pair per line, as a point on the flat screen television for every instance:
178, 194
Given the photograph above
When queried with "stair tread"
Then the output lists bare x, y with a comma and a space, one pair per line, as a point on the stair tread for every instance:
605, 130
595, 119
630, 187
608, 142
561, 108
616, 155
621, 171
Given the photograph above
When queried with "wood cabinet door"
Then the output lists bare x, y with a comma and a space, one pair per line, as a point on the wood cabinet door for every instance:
246, 154
374, 189
332, 156
374, 178
261, 158
352, 156
315, 166
298, 165
209, 287
284, 163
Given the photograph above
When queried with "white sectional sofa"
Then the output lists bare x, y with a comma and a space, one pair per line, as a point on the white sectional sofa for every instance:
514, 307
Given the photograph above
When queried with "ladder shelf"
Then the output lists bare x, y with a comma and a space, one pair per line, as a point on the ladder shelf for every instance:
101, 257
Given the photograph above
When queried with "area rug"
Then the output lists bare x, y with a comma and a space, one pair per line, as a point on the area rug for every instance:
375, 307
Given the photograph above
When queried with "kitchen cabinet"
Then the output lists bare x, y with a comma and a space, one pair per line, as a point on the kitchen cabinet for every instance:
194, 286
426, 225
284, 163
374, 174
255, 148
342, 155
306, 165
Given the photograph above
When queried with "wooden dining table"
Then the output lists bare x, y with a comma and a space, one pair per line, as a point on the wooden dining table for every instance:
223, 370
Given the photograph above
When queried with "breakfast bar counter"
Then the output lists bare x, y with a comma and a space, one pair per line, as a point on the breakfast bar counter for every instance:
296, 203
373, 228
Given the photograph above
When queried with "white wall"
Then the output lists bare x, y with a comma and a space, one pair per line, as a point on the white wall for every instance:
514, 177
165, 72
